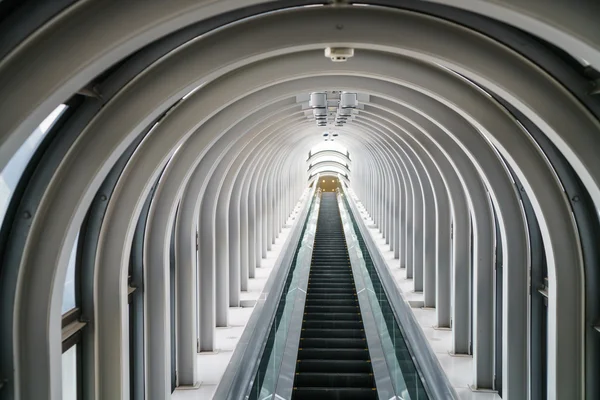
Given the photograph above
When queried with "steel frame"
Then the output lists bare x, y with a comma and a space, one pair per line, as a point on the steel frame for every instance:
393, 188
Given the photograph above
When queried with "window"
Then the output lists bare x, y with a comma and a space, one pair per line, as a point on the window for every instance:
69, 302
69, 373
9, 177
72, 330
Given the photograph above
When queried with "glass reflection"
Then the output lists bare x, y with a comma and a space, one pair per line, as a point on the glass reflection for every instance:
69, 288
69, 374
14, 169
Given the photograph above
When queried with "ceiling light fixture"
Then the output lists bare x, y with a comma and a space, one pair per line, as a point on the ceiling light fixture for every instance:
332, 111
339, 54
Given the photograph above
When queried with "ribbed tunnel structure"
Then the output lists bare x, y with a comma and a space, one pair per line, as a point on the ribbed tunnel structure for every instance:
152, 153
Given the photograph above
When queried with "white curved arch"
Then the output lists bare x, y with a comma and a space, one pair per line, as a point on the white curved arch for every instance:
84, 170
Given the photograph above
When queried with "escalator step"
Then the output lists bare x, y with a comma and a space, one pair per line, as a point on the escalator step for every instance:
319, 290
333, 393
320, 309
333, 354
332, 342
332, 333
332, 302
309, 324
324, 317
328, 273
324, 295
335, 281
333, 366
334, 380
344, 285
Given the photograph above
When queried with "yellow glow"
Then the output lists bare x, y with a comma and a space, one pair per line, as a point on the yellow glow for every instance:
333, 180
323, 180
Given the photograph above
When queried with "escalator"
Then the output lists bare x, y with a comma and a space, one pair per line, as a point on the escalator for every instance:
333, 359
334, 334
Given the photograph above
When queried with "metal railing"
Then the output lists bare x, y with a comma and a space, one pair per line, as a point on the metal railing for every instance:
379, 364
241, 370
275, 377
431, 374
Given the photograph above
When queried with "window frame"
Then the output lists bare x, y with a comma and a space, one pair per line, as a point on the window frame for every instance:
73, 323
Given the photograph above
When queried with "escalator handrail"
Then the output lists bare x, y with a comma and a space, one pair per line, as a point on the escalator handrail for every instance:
246, 357
287, 369
434, 379
381, 370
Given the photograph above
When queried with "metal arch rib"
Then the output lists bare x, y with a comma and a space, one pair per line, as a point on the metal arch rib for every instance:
329, 153
93, 16
328, 164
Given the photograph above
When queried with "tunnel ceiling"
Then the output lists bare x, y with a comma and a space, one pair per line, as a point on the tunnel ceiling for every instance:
165, 100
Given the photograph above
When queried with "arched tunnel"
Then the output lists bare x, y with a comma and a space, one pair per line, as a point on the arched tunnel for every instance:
165, 165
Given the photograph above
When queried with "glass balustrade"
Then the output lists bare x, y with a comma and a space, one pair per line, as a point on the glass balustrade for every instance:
265, 382
405, 377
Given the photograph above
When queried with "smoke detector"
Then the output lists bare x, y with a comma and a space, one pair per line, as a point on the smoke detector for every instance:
339, 54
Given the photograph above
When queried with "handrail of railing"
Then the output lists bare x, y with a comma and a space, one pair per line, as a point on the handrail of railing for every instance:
381, 370
275, 376
434, 379
244, 363
289, 334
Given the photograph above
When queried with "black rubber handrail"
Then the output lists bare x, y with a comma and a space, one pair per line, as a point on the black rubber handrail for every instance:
428, 366
244, 363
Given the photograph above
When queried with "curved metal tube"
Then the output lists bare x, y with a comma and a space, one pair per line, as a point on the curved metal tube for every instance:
84, 168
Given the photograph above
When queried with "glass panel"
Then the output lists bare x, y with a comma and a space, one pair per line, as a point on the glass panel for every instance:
268, 370
69, 374
173, 304
14, 169
69, 288
404, 374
